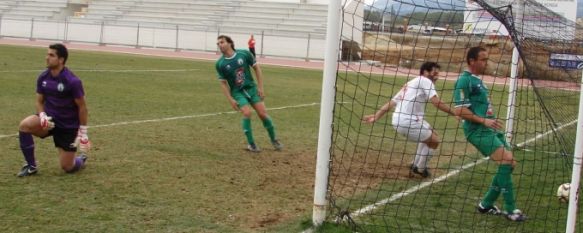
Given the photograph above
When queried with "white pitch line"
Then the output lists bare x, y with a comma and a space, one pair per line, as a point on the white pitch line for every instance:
416, 188
105, 71
178, 118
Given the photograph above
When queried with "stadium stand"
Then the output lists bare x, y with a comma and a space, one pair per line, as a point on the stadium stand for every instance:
31, 9
221, 15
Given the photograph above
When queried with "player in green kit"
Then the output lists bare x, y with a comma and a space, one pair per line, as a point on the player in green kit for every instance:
483, 130
237, 84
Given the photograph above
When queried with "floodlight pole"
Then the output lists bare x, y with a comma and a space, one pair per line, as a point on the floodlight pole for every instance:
512, 96
576, 175
326, 111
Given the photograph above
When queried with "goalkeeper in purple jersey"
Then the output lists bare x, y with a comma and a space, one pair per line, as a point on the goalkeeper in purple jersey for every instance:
237, 84
61, 113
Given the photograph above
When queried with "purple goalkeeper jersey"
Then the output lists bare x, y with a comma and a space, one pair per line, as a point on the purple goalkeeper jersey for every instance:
59, 95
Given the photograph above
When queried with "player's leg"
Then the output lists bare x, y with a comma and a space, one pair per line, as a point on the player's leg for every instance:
259, 107
484, 141
429, 145
28, 127
64, 138
506, 163
247, 129
419, 131
245, 110
493, 144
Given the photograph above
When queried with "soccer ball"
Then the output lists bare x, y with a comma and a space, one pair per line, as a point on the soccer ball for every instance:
563, 192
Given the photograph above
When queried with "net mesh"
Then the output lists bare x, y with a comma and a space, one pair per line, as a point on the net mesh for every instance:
371, 185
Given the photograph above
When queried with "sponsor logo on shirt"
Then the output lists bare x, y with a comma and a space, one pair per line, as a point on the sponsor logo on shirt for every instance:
240, 78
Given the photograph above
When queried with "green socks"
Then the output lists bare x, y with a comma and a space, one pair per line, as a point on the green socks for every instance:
502, 183
246, 122
505, 183
492, 193
268, 124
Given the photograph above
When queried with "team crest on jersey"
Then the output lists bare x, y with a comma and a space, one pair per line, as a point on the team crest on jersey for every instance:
228, 67
60, 87
240, 61
44, 84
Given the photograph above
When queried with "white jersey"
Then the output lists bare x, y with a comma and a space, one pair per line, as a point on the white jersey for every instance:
412, 98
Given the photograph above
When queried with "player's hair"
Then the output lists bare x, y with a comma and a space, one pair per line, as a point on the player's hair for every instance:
428, 66
473, 53
228, 39
61, 50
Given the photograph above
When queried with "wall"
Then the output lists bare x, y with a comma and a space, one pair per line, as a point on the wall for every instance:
169, 38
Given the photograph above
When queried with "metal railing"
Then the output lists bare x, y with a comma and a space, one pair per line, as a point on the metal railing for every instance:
269, 42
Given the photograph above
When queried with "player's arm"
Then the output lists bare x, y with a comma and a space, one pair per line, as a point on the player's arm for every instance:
82, 140
46, 122
227, 92
83, 112
466, 114
463, 103
380, 113
39, 103
259, 76
436, 101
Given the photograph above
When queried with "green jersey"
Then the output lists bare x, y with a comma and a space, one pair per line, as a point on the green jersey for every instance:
471, 92
236, 70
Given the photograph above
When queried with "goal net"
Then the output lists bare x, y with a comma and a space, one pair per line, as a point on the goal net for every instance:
371, 186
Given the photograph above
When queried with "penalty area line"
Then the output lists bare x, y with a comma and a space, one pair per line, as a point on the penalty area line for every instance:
179, 118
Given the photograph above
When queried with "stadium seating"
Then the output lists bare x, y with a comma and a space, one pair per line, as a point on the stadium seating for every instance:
31, 9
233, 16
224, 15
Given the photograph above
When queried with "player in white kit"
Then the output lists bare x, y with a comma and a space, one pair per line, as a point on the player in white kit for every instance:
409, 104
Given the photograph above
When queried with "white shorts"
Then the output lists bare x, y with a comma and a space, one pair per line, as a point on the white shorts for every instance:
414, 130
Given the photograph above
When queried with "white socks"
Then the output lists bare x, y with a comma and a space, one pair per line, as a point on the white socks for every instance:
424, 154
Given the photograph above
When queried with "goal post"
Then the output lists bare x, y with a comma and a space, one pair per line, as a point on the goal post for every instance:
365, 179
326, 112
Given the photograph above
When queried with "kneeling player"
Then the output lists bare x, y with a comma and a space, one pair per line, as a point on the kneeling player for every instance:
62, 113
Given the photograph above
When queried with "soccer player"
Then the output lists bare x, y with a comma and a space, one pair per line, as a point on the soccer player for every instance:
237, 84
483, 130
61, 113
408, 119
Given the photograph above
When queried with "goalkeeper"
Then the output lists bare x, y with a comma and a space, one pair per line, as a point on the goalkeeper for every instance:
409, 104
61, 113
482, 130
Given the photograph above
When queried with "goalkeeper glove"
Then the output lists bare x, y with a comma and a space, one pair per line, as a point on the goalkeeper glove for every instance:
82, 140
46, 122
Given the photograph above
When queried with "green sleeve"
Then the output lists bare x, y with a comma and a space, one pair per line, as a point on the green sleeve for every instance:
220, 74
461, 92
249, 58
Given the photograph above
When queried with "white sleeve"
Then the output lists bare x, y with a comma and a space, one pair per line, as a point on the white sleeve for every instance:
398, 97
428, 88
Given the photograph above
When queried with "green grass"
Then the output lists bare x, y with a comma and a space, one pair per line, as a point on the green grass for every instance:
193, 175
186, 175
371, 163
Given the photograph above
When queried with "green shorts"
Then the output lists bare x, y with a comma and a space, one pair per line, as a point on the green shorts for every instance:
246, 96
487, 140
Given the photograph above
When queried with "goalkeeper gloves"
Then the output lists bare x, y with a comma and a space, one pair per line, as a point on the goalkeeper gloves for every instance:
46, 122
82, 140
